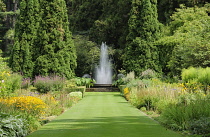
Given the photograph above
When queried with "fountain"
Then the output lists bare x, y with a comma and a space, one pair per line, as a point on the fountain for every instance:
103, 75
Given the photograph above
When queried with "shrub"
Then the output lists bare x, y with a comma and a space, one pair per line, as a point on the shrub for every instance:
13, 126
126, 93
9, 83
13, 82
26, 82
200, 126
130, 76
29, 104
152, 94
118, 82
148, 74
33, 122
54, 106
3, 64
179, 116
197, 76
46, 84
84, 82
189, 74
204, 78
77, 95
3, 77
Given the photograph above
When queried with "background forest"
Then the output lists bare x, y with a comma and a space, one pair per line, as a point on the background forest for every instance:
163, 35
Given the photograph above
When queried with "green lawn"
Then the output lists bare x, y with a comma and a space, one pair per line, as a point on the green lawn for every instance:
103, 114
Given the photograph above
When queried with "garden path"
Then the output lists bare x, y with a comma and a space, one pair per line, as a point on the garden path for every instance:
103, 114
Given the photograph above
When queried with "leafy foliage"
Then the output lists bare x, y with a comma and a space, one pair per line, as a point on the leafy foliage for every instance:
87, 55
43, 43
193, 77
76, 95
13, 83
12, 126
140, 52
173, 116
46, 84
188, 44
84, 82
56, 51
32, 105
21, 59
200, 127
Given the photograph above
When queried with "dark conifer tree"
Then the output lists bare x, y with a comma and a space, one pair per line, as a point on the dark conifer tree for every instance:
43, 43
25, 37
140, 53
55, 50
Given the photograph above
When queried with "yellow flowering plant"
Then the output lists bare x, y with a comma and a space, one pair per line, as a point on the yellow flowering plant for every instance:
29, 104
126, 93
126, 90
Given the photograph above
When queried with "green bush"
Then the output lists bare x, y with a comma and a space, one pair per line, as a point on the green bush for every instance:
197, 76
152, 93
84, 82
13, 126
77, 95
180, 116
3, 63
13, 82
81, 89
122, 87
30, 120
118, 82
148, 74
161, 105
200, 126
26, 83
190, 74
46, 84
9, 83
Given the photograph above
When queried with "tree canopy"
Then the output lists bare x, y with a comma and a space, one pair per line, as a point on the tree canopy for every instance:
187, 43
162, 35
43, 41
144, 28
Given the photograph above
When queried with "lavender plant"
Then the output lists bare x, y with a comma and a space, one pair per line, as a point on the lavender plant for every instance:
47, 83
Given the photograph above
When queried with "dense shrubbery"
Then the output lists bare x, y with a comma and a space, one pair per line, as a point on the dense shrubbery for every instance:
182, 106
196, 78
24, 108
32, 105
182, 115
35, 108
12, 126
47, 83
84, 81
13, 82
77, 95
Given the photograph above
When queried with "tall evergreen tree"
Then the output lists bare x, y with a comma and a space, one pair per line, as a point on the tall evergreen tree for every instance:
43, 43
25, 37
140, 52
55, 50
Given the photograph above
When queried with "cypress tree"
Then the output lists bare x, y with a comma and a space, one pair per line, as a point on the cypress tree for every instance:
43, 43
140, 52
25, 37
55, 50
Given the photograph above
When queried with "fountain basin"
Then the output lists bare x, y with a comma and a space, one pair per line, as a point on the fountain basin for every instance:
102, 85
102, 88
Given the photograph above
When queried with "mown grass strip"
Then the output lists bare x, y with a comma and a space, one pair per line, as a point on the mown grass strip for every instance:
103, 114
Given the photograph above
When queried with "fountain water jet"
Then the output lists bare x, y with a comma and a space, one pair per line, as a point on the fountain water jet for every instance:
104, 71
